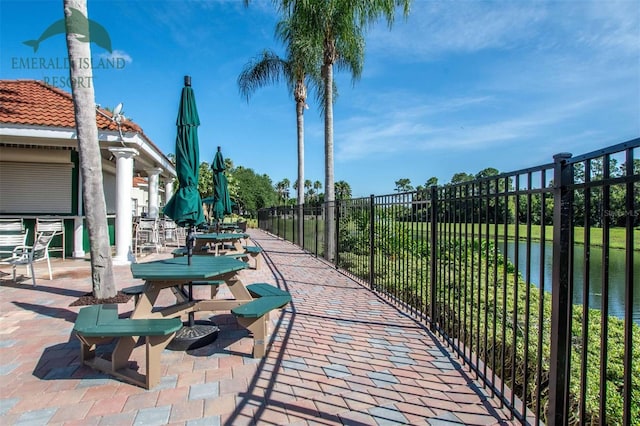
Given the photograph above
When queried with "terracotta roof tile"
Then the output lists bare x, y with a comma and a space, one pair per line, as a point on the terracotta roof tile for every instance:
32, 102
139, 181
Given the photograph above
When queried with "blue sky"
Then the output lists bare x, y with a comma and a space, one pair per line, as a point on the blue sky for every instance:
456, 87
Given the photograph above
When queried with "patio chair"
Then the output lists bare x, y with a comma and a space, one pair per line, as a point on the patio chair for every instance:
146, 236
28, 256
169, 233
55, 225
12, 235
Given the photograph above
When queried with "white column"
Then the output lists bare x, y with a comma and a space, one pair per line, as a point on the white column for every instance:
168, 190
124, 218
153, 192
78, 237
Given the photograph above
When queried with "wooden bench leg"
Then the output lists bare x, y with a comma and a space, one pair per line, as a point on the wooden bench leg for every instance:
119, 364
154, 347
257, 259
259, 328
87, 350
122, 352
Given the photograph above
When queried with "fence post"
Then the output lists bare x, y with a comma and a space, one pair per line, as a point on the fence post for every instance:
372, 218
432, 256
560, 298
337, 228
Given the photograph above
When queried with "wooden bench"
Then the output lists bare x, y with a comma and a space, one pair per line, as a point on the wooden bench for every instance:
134, 291
180, 251
254, 315
265, 290
98, 324
250, 253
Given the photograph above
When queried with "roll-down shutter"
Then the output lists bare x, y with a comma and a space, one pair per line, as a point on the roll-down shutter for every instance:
35, 188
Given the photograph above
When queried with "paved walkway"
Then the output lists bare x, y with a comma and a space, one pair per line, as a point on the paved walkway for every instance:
340, 355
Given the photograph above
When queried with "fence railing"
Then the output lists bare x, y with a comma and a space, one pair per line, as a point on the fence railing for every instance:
531, 277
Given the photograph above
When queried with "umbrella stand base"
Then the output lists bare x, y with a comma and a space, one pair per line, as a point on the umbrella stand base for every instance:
200, 334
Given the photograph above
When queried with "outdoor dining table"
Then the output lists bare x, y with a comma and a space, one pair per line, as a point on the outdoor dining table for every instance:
219, 238
175, 273
229, 227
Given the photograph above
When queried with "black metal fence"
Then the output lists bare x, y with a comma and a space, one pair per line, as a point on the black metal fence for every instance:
531, 277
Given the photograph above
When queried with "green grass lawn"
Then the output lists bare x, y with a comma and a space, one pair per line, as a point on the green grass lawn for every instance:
617, 236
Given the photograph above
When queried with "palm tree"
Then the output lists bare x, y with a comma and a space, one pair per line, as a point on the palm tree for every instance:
404, 185
343, 190
90, 159
338, 26
307, 187
282, 188
299, 69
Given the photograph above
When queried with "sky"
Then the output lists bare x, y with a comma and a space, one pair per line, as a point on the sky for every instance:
457, 86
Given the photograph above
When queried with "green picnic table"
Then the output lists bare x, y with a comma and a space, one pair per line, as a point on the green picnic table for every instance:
175, 272
220, 238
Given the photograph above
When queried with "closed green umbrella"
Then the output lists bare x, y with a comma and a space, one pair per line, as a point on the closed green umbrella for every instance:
221, 199
185, 207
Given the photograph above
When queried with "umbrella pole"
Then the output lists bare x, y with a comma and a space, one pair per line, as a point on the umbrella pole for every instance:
191, 238
192, 315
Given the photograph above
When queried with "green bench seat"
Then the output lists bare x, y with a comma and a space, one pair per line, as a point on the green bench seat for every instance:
135, 291
250, 252
180, 251
265, 289
261, 306
97, 324
254, 315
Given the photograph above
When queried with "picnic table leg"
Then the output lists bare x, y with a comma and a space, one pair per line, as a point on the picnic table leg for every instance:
146, 301
236, 287
214, 291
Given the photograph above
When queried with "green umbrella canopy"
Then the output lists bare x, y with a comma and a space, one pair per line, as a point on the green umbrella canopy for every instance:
185, 207
221, 199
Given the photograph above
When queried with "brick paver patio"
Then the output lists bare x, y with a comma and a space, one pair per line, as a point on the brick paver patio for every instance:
340, 355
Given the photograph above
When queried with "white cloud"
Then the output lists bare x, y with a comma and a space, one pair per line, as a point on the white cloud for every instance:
117, 55
541, 68
437, 28
446, 125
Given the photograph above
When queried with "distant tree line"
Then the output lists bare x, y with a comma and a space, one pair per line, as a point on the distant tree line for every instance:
588, 205
250, 191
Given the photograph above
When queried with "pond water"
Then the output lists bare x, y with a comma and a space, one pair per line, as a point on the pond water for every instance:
616, 275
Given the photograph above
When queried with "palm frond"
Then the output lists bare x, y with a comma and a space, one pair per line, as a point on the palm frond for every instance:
261, 71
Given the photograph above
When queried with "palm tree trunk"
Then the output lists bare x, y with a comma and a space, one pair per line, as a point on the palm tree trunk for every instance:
300, 123
90, 158
329, 192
